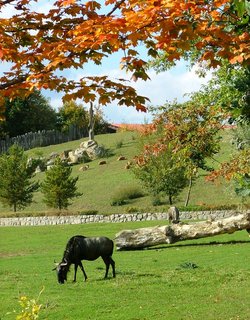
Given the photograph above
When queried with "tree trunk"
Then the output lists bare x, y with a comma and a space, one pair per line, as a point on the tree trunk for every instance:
152, 236
91, 122
170, 199
189, 191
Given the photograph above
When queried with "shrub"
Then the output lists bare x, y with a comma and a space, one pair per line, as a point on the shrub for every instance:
33, 163
30, 308
207, 207
119, 144
104, 152
132, 210
123, 194
88, 212
156, 201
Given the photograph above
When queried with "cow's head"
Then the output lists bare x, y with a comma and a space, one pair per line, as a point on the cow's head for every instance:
62, 269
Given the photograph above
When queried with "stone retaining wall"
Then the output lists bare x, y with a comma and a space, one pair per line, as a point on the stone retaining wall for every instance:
114, 218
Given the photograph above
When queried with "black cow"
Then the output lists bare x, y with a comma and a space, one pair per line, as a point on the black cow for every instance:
82, 248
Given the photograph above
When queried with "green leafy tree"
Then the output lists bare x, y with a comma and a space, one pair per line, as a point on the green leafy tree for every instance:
101, 125
59, 187
30, 114
229, 88
161, 176
189, 133
70, 114
85, 119
16, 187
242, 143
243, 187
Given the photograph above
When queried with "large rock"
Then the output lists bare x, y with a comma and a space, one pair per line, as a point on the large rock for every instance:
79, 155
92, 149
72, 157
88, 150
88, 144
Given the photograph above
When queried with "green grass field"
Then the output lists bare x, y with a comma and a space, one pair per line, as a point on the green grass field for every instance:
99, 183
150, 284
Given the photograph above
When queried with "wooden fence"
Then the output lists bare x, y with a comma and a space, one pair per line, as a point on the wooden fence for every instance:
42, 138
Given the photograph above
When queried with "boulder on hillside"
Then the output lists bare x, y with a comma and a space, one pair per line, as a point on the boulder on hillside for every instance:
88, 144
79, 155
88, 150
92, 148
65, 154
72, 158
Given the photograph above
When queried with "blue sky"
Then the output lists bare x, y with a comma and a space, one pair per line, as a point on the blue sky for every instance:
166, 86
162, 87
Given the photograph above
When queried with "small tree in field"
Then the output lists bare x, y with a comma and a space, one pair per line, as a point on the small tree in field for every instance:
58, 187
160, 175
181, 139
16, 189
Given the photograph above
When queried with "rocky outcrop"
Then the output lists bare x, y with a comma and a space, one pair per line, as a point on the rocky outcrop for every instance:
88, 151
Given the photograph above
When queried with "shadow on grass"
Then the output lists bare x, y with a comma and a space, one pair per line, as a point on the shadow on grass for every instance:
128, 273
212, 243
183, 245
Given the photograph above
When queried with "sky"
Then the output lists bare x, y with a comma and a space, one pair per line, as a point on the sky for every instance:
165, 86
162, 87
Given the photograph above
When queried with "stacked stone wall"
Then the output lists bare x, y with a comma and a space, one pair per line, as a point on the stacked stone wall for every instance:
114, 218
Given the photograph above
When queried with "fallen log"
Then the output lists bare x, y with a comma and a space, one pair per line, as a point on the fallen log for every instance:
152, 236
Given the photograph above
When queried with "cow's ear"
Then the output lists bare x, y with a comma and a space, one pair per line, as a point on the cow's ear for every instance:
56, 265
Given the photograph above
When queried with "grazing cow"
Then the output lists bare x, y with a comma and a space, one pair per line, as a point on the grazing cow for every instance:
82, 248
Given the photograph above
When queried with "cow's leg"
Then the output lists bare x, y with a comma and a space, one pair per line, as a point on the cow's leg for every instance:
113, 266
84, 273
76, 265
107, 263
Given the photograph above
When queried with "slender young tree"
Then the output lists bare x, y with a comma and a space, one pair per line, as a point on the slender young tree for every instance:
59, 187
91, 122
16, 187
160, 175
191, 131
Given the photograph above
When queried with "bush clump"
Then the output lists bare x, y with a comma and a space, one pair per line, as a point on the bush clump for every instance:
123, 194
104, 152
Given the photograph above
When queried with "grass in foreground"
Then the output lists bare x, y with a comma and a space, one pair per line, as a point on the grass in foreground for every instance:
157, 283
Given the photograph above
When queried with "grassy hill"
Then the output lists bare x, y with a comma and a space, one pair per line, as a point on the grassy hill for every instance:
99, 183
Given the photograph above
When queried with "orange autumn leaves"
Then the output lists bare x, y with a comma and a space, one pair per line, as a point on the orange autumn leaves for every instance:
40, 46
189, 129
